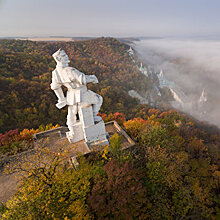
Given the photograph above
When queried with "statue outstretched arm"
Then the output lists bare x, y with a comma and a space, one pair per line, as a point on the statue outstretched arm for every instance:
91, 78
56, 87
81, 78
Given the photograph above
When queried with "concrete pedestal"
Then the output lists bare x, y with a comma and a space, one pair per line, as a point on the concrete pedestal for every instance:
87, 129
95, 133
78, 133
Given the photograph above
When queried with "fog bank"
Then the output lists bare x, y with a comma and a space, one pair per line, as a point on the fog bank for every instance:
193, 65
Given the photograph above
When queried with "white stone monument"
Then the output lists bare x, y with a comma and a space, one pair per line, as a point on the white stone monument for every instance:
79, 100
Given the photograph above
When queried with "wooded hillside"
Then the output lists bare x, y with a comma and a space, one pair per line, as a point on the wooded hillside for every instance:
26, 100
171, 173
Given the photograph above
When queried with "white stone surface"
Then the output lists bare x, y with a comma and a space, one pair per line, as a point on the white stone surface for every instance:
135, 94
77, 135
86, 116
95, 132
203, 98
79, 100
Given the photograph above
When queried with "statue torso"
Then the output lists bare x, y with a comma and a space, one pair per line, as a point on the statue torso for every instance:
67, 76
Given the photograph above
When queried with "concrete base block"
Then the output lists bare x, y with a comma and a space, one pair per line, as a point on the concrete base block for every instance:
95, 133
86, 115
99, 145
78, 133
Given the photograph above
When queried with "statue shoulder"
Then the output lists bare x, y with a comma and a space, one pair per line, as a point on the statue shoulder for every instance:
72, 70
69, 68
54, 72
63, 71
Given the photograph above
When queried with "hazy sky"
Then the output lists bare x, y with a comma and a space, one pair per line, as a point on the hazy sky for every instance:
109, 17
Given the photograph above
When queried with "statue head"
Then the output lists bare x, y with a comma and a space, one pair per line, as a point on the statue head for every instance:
61, 57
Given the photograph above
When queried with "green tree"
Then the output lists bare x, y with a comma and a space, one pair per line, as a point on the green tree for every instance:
52, 191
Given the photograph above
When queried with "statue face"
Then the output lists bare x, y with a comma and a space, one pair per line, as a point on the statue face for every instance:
61, 57
64, 59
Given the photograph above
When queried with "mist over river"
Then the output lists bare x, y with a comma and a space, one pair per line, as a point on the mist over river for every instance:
193, 65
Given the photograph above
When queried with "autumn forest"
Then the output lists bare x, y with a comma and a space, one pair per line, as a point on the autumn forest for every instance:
172, 172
